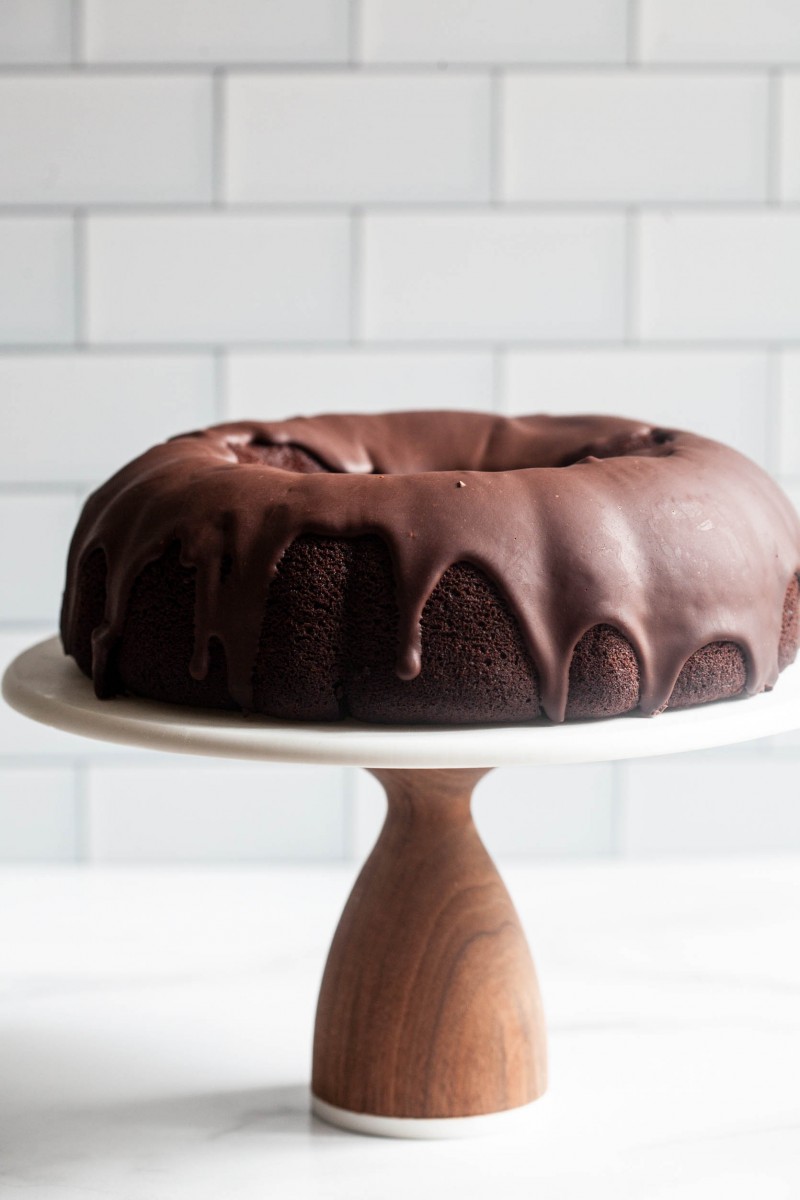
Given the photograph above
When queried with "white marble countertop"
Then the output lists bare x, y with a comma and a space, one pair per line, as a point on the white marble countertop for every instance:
155, 1032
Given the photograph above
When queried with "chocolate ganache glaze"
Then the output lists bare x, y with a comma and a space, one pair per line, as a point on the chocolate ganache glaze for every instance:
670, 540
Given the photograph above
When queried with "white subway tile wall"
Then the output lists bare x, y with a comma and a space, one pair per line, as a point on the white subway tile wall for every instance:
34, 537
789, 414
634, 137
105, 139
350, 140
268, 384
493, 31
721, 276
191, 812
720, 31
221, 277
37, 280
35, 31
718, 394
709, 804
314, 205
74, 418
39, 808
216, 31
493, 277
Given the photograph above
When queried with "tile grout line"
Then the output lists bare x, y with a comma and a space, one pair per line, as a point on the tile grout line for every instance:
400, 346
218, 141
44, 487
429, 68
124, 349
411, 209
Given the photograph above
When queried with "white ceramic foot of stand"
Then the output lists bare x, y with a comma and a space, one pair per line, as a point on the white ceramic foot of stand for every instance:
425, 1128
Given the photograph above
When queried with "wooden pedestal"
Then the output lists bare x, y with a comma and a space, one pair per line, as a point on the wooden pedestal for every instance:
429, 1008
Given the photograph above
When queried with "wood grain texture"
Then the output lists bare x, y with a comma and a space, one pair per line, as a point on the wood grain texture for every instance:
429, 1005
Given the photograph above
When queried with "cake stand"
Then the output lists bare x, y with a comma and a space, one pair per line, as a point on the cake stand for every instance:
429, 1021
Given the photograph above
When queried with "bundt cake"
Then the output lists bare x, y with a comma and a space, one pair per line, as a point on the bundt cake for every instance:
435, 567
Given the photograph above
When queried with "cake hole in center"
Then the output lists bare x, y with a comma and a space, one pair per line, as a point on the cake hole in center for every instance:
286, 457
644, 443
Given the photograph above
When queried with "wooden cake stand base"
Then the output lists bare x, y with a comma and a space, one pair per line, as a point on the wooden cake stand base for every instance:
429, 1009
429, 1022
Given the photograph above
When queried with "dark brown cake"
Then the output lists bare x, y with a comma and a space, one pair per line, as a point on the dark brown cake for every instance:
435, 567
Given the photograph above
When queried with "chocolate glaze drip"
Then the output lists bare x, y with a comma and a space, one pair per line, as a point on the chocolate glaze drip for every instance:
675, 540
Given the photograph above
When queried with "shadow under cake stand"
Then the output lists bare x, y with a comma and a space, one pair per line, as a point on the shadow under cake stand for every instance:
429, 1021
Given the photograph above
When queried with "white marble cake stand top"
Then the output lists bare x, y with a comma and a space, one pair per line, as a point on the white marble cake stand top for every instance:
48, 687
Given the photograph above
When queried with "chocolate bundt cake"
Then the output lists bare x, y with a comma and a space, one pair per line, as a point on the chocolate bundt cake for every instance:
435, 567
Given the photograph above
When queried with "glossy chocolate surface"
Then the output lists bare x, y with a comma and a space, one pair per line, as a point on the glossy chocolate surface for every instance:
675, 540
